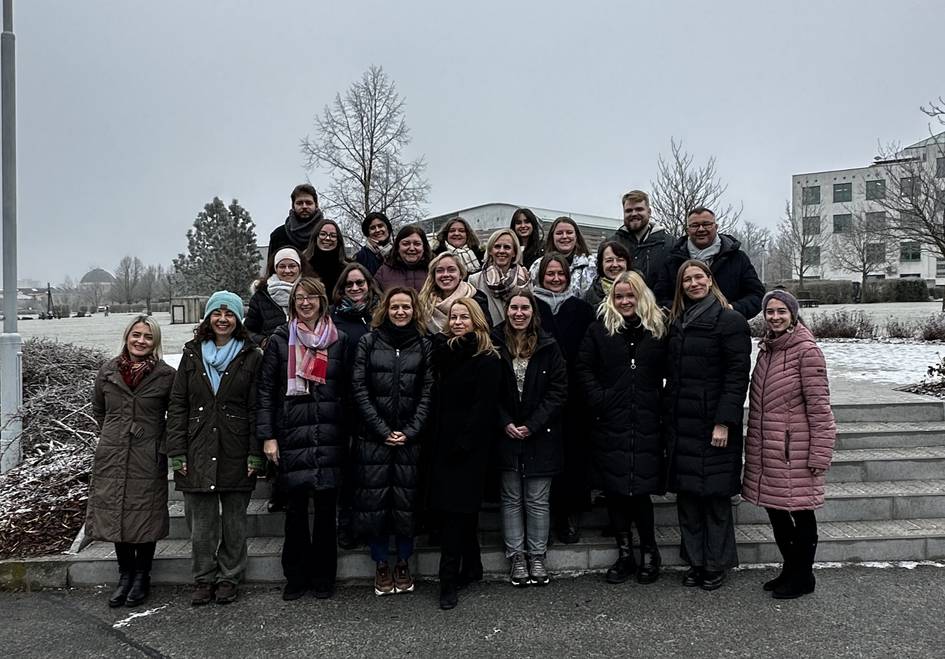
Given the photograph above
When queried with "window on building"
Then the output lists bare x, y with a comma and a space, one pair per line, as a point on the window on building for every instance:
810, 195
940, 167
811, 225
812, 256
842, 223
910, 252
876, 222
939, 267
876, 189
842, 192
876, 253
910, 220
907, 186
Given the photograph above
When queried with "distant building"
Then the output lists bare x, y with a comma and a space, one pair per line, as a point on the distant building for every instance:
97, 276
827, 202
486, 218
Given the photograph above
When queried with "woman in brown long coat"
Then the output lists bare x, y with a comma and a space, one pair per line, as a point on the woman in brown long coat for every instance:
128, 492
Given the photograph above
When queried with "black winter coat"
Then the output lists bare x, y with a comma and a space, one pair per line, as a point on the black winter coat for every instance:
465, 423
215, 431
263, 315
392, 392
648, 255
354, 324
538, 407
310, 429
732, 272
707, 381
622, 380
369, 259
568, 326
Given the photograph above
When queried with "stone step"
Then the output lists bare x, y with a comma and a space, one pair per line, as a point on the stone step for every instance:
897, 540
907, 408
888, 464
897, 434
849, 501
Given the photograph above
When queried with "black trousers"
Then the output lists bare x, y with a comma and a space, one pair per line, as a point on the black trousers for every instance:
310, 555
135, 556
623, 510
794, 527
459, 546
707, 530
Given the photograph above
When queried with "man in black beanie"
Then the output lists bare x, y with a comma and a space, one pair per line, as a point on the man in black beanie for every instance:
297, 229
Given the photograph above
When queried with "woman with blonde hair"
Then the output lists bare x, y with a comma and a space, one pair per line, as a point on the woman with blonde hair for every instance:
502, 273
620, 368
467, 375
706, 383
458, 238
446, 283
128, 491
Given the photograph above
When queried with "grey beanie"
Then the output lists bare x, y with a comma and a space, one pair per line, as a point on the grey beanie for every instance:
784, 296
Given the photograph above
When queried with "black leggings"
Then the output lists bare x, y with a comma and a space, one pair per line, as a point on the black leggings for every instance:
135, 556
792, 526
637, 509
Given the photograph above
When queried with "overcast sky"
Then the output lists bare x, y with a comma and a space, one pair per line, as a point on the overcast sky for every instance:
133, 114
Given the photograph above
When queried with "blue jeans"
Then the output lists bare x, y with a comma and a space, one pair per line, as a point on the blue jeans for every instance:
525, 513
380, 548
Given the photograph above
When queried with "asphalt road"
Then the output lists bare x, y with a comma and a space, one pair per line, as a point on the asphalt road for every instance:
855, 612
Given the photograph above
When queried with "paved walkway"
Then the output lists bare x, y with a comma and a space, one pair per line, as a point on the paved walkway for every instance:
855, 612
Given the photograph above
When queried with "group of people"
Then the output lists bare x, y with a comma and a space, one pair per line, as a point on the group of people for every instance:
393, 392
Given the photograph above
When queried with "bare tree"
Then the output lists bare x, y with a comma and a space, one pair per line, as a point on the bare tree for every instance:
148, 285
756, 241
360, 139
127, 277
682, 185
861, 246
801, 238
914, 198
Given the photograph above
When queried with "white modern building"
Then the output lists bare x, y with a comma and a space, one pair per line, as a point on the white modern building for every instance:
486, 218
827, 202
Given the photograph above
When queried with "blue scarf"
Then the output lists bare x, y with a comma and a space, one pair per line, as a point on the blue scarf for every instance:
215, 360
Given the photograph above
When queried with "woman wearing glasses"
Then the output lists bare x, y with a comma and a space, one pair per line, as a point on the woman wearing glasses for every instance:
326, 253
300, 422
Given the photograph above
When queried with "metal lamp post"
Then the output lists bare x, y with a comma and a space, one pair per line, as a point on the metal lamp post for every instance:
11, 372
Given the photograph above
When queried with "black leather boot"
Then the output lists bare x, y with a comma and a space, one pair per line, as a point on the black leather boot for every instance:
625, 564
120, 594
140, 587
650, 562
800, 580
786, 549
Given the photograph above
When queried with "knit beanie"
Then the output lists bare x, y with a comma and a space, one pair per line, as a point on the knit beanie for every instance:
225, 300
784, 296
287, 253
376, 215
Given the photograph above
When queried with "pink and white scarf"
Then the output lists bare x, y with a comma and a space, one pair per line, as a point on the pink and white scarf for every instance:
308, 354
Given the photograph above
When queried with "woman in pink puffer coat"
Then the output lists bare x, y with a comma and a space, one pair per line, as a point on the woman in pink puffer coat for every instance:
789, 446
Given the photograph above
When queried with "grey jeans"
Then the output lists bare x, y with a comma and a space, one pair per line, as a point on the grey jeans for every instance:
526, 513
218, 541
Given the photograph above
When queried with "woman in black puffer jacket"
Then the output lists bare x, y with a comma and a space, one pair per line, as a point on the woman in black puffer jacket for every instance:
269, 305
707, 379
391, 381
620, 369
300, 419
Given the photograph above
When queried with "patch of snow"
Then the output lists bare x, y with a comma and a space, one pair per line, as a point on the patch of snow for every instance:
124, 622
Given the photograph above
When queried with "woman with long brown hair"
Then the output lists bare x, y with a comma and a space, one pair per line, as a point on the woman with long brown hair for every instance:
531, 238
325, 253
565, 238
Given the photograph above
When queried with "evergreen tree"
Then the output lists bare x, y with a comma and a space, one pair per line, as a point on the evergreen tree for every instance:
221, 251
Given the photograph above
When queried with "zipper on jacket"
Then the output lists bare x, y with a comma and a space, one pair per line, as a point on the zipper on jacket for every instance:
396, 392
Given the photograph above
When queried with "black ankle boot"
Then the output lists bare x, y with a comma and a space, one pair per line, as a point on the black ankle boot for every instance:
140, 587
448, 596
625, 564
800, 580
650, 562
120, 593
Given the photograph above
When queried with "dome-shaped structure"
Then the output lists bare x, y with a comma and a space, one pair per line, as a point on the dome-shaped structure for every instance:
98, 276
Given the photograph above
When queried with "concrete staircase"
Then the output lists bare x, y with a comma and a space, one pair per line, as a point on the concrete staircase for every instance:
885, 502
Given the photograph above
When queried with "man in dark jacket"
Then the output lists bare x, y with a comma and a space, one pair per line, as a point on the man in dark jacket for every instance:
647, 243
296, 231
731, 268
